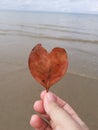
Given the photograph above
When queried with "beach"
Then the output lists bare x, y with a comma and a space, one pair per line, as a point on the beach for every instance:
19, 33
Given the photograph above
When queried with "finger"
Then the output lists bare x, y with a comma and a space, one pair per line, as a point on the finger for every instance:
58, 100
65, 106
57, 114
38, 123
38, 107
43, 94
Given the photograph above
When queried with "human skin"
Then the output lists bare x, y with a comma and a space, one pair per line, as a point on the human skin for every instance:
58, 113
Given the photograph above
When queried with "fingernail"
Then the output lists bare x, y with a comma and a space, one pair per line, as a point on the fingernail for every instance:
51, 97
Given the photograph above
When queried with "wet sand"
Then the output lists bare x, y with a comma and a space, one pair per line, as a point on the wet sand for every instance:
18, 90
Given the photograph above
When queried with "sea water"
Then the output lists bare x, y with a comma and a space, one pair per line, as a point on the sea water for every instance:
77, 33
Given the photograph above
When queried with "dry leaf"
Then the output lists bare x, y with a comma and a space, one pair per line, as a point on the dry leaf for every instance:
48, 68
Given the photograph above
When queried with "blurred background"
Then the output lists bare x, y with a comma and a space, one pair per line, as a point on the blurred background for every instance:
71, 24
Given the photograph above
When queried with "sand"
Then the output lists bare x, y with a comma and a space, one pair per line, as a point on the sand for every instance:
18, 90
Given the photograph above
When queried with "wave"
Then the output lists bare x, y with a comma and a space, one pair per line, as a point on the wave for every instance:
18, 33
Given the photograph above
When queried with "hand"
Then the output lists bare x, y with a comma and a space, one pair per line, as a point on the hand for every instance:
59, 114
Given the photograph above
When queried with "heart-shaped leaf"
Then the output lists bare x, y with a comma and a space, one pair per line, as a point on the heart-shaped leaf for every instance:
47, 68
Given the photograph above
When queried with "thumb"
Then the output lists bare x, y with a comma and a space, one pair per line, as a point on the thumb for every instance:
50, 104
58, 115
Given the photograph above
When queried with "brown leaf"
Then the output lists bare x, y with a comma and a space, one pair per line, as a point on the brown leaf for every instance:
48, 68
